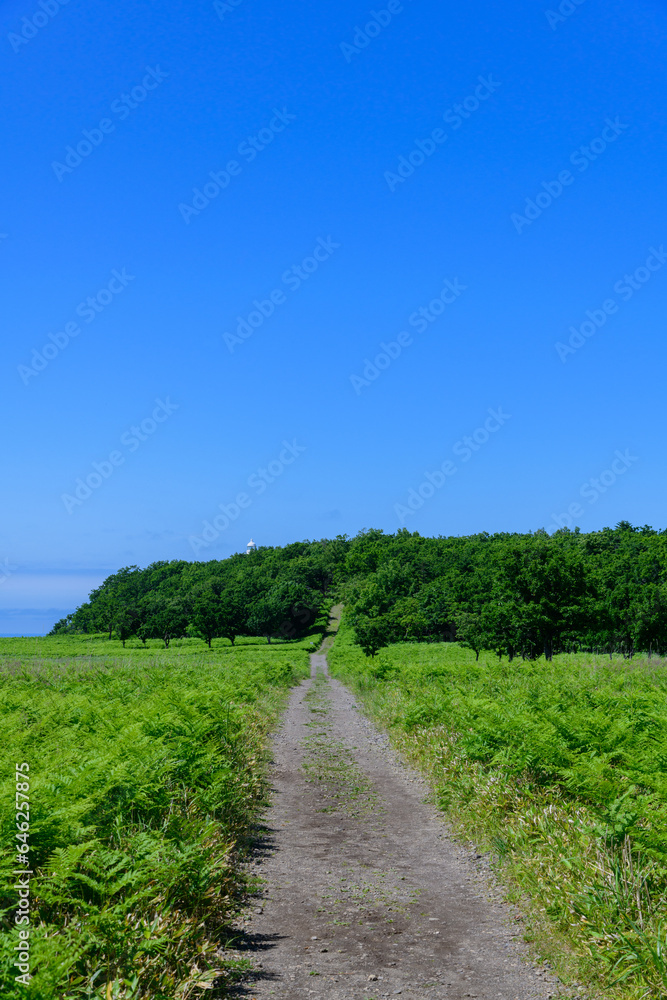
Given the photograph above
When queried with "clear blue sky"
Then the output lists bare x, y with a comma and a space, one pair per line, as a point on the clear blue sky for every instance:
515, 153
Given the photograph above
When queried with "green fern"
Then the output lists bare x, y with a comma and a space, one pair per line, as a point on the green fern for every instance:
145, 777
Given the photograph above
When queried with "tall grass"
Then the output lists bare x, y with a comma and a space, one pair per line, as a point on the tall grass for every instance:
560, 769
146, 773
98, 644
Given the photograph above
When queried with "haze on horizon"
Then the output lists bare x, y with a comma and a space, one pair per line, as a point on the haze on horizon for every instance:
285, 272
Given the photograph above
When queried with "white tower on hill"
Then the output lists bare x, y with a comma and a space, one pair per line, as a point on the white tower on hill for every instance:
251, 547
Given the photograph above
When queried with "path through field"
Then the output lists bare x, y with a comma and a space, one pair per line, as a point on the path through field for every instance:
366, 895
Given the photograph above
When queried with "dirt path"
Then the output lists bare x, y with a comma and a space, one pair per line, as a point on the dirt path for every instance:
366, 895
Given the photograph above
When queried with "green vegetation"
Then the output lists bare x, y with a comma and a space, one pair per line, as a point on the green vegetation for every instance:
552, 754
275, 593
560, 770
526, 595
146, 773
331, 764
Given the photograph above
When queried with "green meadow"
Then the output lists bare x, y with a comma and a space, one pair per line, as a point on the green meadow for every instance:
559, 770
146, 773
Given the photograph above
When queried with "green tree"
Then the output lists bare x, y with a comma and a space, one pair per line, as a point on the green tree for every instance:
233, 618
126, 622
205, 605
471, 632
371, 634
62, 626
165, 618
266, 617
283, 610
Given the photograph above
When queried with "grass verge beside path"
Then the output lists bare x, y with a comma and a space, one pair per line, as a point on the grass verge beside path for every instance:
560, 771
146, 773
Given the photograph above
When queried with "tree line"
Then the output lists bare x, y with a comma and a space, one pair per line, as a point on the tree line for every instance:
516, 594
261, 594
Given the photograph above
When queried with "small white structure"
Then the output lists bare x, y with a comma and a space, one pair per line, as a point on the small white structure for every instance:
251, 547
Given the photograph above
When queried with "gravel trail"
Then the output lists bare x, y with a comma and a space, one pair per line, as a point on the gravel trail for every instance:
365, 892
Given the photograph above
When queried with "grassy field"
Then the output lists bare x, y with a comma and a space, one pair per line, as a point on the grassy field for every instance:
560, 771
56, 646
146, 771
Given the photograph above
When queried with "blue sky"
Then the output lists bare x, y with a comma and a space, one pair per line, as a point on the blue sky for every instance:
213, 218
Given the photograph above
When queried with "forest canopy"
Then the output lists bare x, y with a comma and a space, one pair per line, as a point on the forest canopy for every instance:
516, 594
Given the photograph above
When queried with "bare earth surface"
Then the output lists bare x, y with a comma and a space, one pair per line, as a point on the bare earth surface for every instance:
365, 894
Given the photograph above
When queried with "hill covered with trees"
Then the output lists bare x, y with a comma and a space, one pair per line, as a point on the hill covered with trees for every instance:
517, 594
